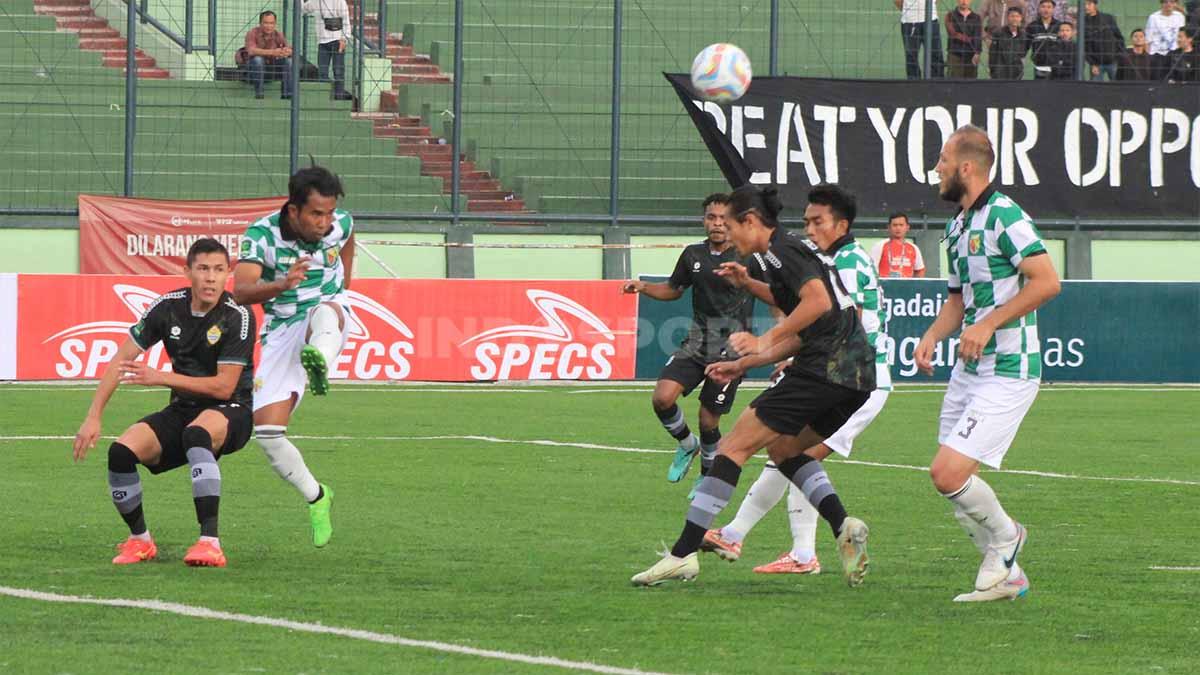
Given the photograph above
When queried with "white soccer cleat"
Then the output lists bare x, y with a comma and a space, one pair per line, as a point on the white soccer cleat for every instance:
852, 548
999, 560
670, 567
1005, 590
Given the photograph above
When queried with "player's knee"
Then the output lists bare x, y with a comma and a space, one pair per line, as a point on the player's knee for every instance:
945, 479
662, 402
196, 436
121, 459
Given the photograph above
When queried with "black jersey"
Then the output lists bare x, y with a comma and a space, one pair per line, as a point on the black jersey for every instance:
719, 309
834, 347
198, 344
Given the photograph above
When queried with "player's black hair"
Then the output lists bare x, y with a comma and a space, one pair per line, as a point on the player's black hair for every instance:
898, 214
714, 198
764, 202
265, 14
206, 245
838, 199
306, 180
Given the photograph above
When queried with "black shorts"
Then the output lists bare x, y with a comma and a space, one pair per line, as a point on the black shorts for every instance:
797, 400
689, 372
168, 425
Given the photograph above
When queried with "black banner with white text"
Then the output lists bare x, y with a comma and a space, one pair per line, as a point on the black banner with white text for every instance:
1064, 149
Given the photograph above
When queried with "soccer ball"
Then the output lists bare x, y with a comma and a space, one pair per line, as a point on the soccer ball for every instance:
721, 73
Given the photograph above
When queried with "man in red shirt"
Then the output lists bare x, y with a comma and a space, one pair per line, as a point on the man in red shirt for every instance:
898, 257
266, 56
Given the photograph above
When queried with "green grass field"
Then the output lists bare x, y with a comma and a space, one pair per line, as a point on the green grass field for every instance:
528, 548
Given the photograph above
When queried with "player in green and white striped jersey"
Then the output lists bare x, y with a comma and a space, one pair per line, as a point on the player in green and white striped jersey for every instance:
998, 276
298, 264
829, 218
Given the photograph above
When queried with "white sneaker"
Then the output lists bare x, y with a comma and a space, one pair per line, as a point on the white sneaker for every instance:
999, 560
670, 567
852, 547
1005, 590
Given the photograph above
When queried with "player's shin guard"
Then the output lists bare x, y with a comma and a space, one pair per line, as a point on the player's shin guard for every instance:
709, 438
206, 478
807, 474
672, 420
977, 501
764, 494
711, 496
324, 333
286, 460
126, 487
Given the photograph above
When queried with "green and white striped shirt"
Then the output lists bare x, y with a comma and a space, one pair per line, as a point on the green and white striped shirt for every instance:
856, 269
265, 244
984, 246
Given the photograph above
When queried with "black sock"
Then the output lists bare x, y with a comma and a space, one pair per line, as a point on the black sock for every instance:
712, 495
126, 487
809, 475
320, 494
206, 478
672, 420
708, 448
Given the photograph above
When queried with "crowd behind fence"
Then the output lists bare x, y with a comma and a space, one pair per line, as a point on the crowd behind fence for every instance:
477, 110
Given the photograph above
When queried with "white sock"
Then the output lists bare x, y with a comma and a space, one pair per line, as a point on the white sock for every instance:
1014, 573
802, 518
763, 496
145, 536
977, 501
978, 534
286, 460
215, 541
324, 333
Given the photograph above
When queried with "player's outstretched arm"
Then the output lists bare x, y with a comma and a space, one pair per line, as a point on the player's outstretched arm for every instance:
661, 291
948, 320
739, 276
220, 386
250, 289
1041, 286
89, 431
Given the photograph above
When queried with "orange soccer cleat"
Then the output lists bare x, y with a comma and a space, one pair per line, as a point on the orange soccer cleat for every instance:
786, 564
725, 549
134, 550
204, 554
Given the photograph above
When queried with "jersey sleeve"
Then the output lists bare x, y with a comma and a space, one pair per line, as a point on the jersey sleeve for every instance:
853, 280
756, 267
255, 244
149, 330
1017, 237
347, 222
877, 255
918, 259
238, 345
682, 276
799, 269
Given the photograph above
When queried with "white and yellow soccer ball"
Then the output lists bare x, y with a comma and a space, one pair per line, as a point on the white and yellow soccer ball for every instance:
721, 73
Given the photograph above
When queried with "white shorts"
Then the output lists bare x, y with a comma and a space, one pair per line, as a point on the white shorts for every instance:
842, 440
981, 414
279, 374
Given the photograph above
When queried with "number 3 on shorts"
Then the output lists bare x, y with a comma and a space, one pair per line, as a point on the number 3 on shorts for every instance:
970, 426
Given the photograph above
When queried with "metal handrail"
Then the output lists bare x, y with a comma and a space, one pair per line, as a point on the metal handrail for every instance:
187, 40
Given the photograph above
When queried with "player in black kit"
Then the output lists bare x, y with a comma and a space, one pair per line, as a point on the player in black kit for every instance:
210, 341
831, 376
719, 309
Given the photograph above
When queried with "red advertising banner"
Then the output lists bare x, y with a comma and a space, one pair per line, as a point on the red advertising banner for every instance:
118, 235
437, 329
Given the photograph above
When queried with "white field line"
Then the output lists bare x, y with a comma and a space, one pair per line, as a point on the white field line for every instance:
304, 627
1175, 568
657, 451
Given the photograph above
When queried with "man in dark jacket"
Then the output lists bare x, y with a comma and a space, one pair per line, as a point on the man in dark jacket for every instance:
1009, 44
1042, 34
1137, 63
1102, 42
1061, 56
964, 29
1183, 64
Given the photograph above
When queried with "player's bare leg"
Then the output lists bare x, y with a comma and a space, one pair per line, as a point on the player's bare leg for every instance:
270, 428
138, 445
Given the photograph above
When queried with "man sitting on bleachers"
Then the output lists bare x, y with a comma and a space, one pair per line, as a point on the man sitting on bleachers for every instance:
266, 56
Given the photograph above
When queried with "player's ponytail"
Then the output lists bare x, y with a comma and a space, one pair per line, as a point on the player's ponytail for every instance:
764, 202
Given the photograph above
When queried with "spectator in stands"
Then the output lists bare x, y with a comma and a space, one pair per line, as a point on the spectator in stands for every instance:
1193, 14
1162, 28
1102, 42
266, 56
1006, 59
964, 30
912, 32
1137, 63
1064, 10
994, 13
1042, 34
1183, 64
333, 33
896, 256
1062, 53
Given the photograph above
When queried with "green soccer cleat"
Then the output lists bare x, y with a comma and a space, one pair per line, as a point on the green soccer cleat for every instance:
682, 463
318, 373
318, 512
